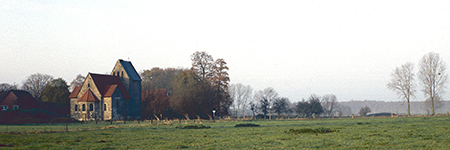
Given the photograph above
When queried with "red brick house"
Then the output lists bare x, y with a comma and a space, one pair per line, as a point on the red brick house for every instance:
15, 99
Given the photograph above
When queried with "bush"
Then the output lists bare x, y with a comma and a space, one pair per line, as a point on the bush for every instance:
22, 116
247, 125
199, 126
306, 130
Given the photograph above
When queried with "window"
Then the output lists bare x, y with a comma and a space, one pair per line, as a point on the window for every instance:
91, 107
4, 107
16, 107
76, 107
89, 85
104, 107
83, 108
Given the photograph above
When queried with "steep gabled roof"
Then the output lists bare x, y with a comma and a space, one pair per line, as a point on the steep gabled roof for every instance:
105, 83
24, 95
75, 92
129, 69
25, 99
3, 95
88, 96
110, 90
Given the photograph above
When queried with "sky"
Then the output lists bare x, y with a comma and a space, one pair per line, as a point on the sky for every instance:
299, 48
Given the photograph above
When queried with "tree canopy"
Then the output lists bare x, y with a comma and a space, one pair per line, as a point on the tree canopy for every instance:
192, 96
57, 92
433, 76
36, 83
309, 108
157, 78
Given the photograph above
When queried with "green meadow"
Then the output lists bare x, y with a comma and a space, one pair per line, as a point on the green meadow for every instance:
358, 133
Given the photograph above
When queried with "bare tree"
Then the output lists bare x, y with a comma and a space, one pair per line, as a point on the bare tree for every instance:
330, 104
7, 87
433, 77
402, 82
202, 64
268, 93
364, 110
36, 83
241, 95
344, 110
78, 81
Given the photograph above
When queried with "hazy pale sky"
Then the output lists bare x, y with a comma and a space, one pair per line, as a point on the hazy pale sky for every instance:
346, 48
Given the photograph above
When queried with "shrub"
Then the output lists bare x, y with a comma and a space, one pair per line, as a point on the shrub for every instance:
199, 126
22, 116
306, 130
247, 125
362, 123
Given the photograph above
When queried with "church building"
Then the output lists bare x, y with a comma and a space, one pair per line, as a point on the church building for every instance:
108, 97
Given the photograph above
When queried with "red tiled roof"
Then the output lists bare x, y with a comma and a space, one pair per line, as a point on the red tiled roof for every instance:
88, 96
22, 98
110, 90
3, 95
24, 95
104, 84
75, 92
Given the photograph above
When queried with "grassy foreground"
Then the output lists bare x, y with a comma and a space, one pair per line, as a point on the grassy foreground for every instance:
361, 133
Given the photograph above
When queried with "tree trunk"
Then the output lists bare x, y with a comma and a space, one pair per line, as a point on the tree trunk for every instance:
432, 106
409, 109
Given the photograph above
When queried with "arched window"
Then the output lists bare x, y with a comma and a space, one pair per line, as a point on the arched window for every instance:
83, 108
122, 74
89, 85
91, 107
104, 107
76, 107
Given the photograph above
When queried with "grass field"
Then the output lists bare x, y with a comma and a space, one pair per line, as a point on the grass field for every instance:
359, 133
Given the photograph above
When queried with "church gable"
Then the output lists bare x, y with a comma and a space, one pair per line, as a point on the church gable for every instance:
89, 85
88, 96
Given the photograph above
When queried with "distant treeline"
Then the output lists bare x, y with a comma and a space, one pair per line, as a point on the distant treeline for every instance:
417, 107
